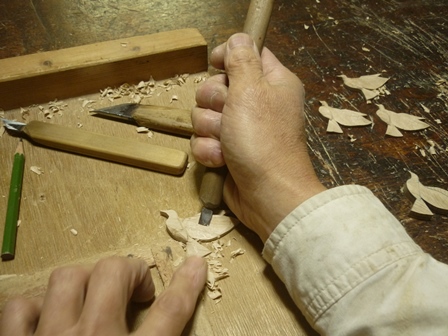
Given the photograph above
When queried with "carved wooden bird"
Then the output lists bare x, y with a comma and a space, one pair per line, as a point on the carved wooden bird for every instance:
427, 199
368, 84
404, 121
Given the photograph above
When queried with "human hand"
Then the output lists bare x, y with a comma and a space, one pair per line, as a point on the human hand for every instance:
92, 300
252, 119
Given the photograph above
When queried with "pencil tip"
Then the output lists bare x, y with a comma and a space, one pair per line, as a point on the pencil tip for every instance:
19, 149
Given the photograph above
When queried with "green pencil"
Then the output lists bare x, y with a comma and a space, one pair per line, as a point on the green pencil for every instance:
12, 211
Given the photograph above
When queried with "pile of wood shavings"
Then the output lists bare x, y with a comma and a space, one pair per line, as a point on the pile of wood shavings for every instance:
54, 107
144, 89
217, 271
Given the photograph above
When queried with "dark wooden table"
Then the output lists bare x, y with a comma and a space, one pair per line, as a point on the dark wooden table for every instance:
318, 40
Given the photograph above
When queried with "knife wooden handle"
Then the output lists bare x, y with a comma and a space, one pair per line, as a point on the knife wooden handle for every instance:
165, 119
257, 20
129, 152
212, 184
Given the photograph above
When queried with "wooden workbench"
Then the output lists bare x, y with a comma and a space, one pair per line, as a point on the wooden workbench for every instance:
115, 209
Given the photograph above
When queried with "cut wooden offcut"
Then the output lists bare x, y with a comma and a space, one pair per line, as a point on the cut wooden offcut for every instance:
71, 72
427, 200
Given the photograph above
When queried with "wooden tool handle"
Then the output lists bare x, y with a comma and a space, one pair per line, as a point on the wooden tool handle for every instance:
133, 153
256, 25
257, 20
165, 119
212, 184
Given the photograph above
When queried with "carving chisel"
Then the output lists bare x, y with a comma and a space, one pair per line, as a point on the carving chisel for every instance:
160, 118
210, 193
129, 152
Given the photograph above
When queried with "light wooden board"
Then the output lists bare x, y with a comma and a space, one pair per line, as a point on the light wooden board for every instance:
116, 208
64, 73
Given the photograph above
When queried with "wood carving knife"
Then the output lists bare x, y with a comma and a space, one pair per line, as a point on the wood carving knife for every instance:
160, 118
210, 193
129, 152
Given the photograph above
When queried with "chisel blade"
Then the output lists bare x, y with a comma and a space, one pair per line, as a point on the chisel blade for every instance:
206, 216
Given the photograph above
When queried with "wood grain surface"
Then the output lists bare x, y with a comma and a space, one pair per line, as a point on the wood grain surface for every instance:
115, 207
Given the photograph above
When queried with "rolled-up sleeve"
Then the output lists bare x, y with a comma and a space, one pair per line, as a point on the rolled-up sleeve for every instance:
352, 269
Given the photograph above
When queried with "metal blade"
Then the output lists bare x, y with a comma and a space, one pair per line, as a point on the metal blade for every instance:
206, 216
13, 125
122, 111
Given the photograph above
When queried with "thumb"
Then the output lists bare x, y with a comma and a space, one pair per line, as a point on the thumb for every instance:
242, 59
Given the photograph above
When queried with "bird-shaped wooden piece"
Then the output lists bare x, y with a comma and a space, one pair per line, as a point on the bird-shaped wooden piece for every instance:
427, 200
344, 117
184, 229
368, 84
404, 121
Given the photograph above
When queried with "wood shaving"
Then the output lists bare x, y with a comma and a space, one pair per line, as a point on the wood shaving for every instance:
174, 98
422, 152
25, 113
402, 121
215, 295
342, 116
199, 79
37, 170
236, 253
425, 109
86, 102
74, 232
142, 129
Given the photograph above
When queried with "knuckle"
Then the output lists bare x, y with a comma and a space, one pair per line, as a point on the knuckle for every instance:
173, 305
112, 265
16, 306
68, 274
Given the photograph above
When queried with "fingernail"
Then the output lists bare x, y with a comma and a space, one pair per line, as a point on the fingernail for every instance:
238, 40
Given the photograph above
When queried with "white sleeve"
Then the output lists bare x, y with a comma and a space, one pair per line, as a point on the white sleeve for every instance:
352, 269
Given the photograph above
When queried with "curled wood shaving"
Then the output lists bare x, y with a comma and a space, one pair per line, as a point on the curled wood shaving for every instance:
236, 253
25, 113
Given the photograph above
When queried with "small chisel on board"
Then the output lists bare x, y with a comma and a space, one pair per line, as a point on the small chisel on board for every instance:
129, 152
210, 193
160, 118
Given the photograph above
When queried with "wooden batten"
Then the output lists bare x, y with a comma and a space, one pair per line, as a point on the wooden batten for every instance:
71, 72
